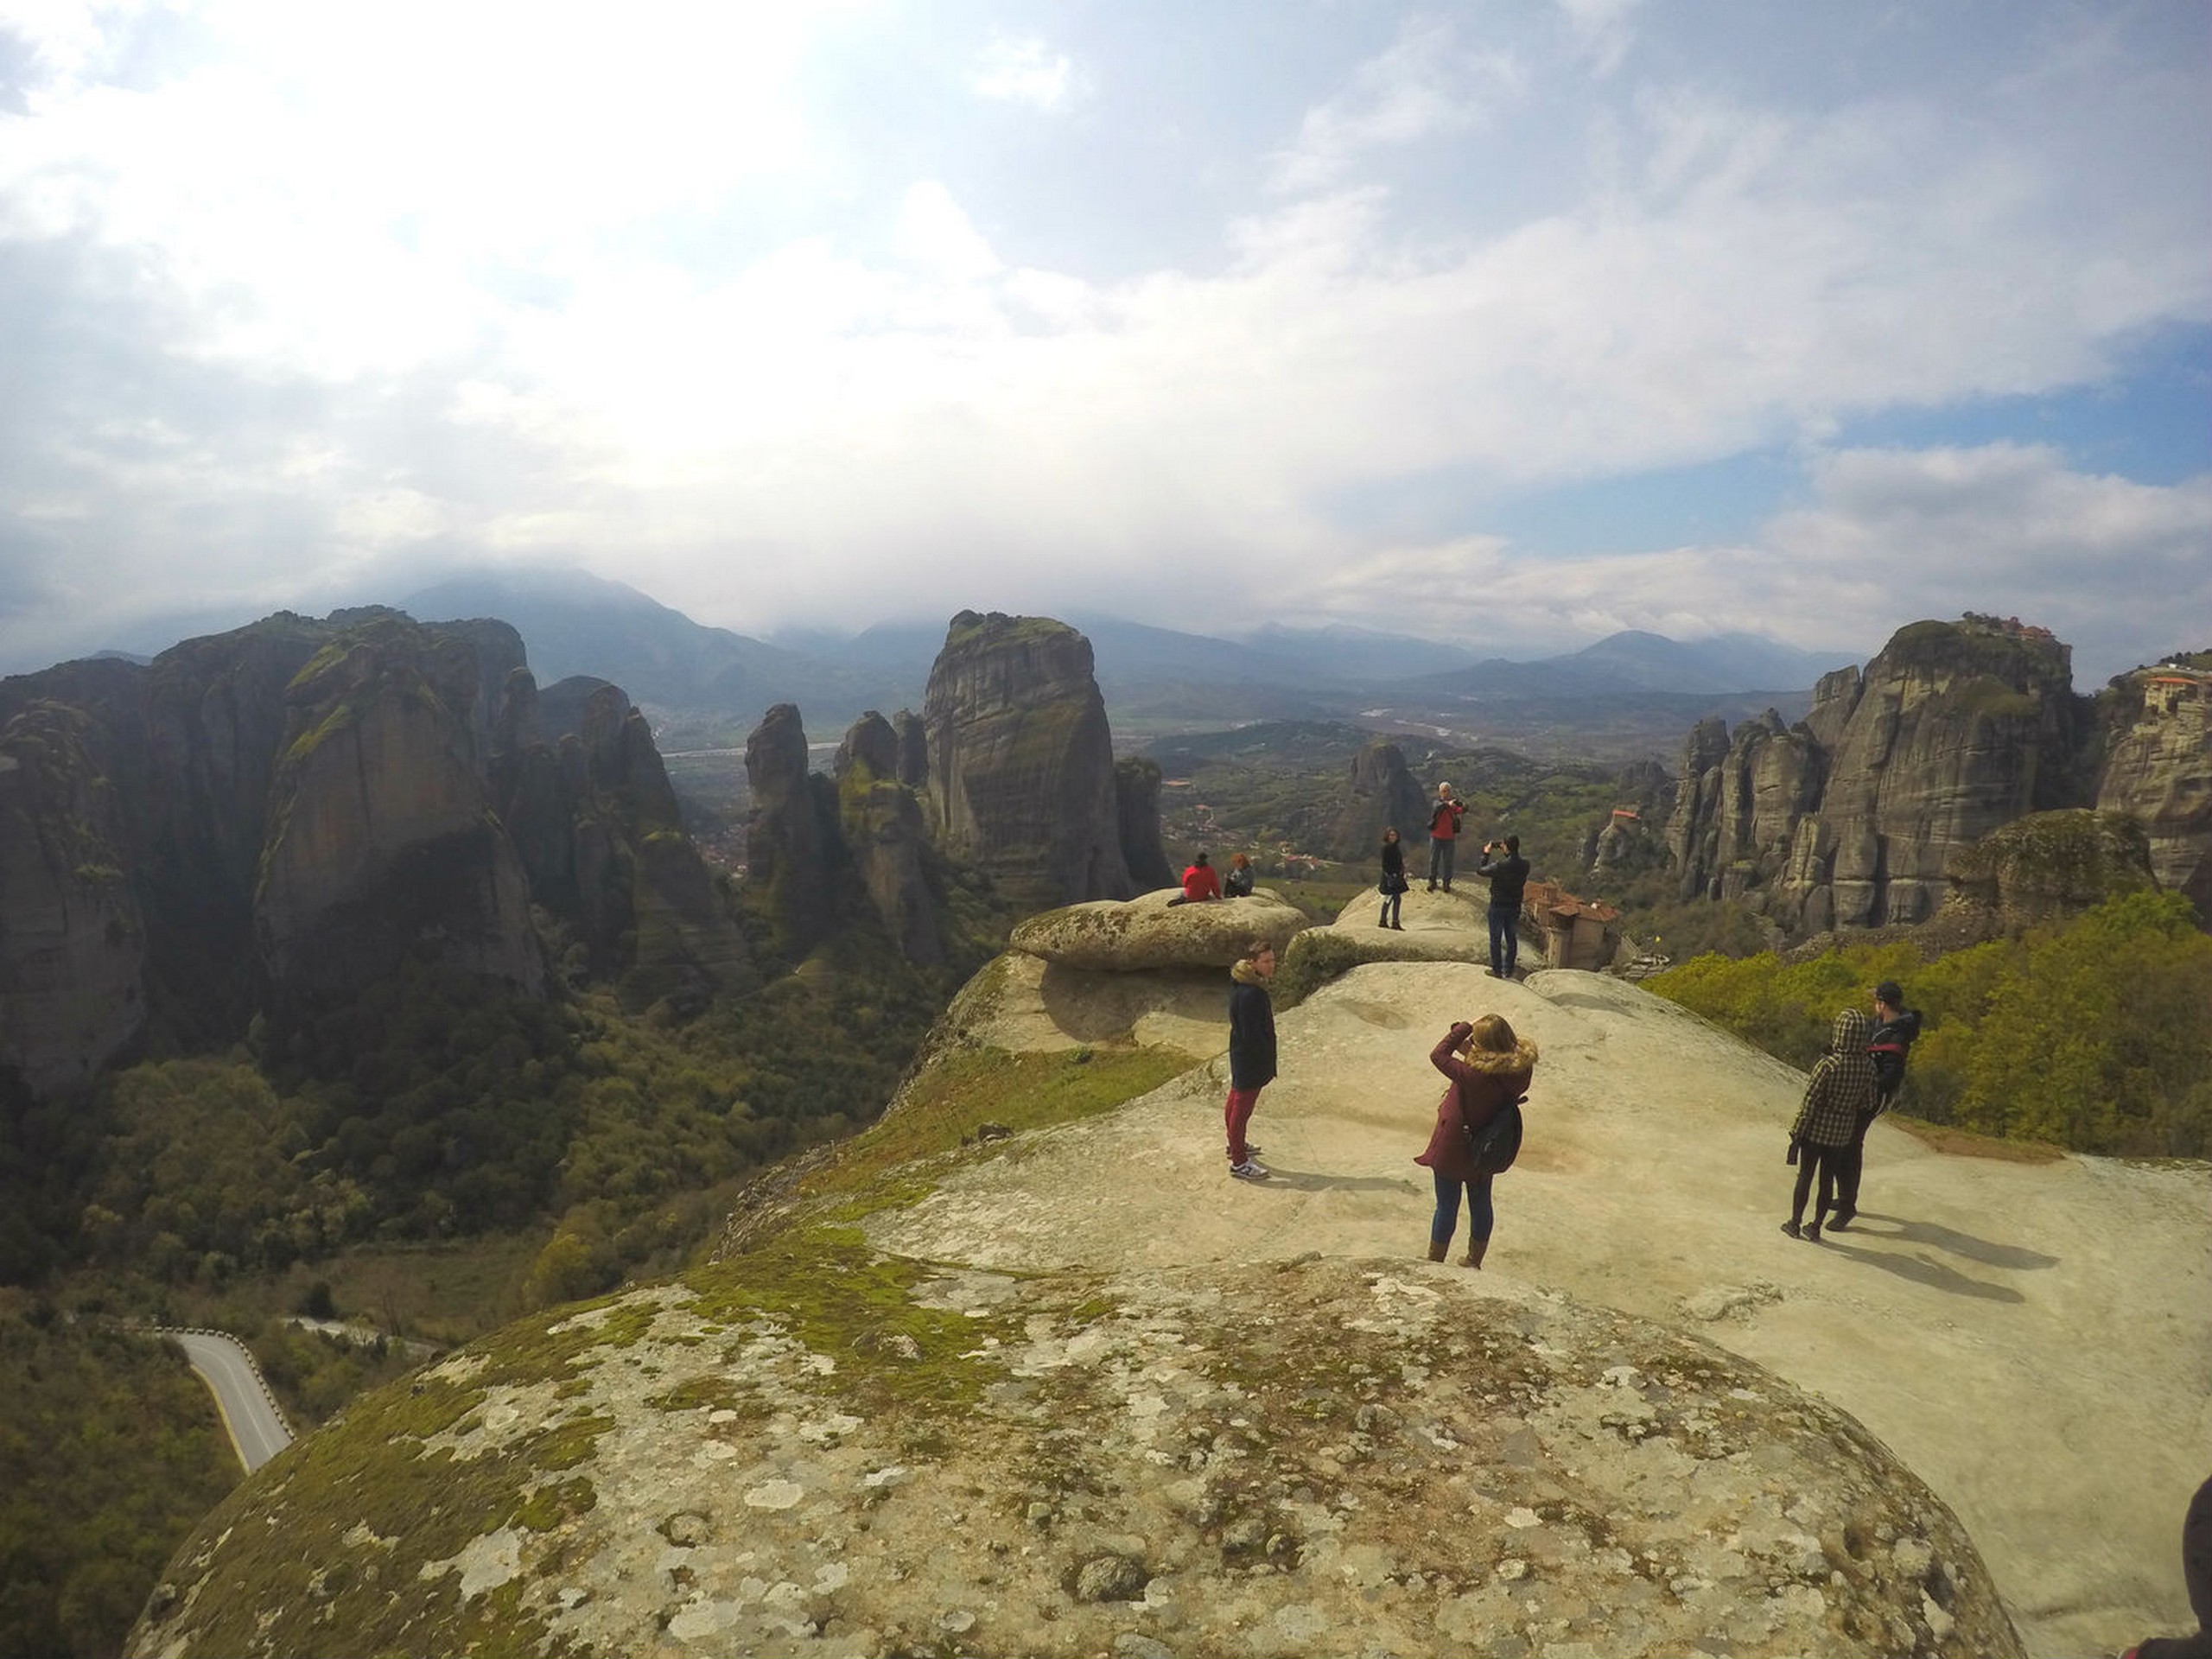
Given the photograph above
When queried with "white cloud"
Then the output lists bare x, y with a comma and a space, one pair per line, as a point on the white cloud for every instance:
1601, 30
1426, 85
1025, 72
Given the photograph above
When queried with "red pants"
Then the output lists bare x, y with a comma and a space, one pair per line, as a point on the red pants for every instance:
1236, 1116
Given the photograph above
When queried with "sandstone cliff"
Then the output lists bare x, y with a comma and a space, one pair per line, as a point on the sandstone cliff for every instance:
381, 831
1020, 760
886, 836
790, 838
1383, 794
72, 946
1851, 817
1136, 798
2157, 768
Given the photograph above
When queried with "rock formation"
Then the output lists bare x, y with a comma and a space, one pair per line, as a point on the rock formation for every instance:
913, 749
2049, 865
1020, 760
1850, 818
1136, 797
1383, 794
1149, 931
381, 830
789, 837
2157, 768
886, 836
1185, 1461
72, 946
272, 818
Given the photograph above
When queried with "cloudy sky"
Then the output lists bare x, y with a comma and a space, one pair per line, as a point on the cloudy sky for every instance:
1515, 322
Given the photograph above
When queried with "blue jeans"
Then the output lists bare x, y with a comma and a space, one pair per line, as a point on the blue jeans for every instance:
1504, 936
1440, 849
1480, 1217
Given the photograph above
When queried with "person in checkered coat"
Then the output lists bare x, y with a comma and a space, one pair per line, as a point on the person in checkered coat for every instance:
1841, 1086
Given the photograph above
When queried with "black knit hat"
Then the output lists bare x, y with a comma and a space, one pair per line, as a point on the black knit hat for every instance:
1890, 992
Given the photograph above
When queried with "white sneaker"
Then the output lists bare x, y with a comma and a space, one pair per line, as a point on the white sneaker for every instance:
1248, 1171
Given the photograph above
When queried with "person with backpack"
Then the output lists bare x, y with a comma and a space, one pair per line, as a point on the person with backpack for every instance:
1841, 1087
1443, 835
1478, 1133
1895, 1027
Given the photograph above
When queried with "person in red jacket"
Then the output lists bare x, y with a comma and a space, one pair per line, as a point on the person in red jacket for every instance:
1490, 1069
1199, 882
1443, 835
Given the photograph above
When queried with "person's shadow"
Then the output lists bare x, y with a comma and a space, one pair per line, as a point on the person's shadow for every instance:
1923, 1268
1313, 1181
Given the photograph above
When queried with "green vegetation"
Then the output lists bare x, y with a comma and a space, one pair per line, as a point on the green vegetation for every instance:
2094, 1035
109, 1451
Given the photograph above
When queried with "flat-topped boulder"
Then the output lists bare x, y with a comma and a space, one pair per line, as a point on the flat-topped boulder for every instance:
1151, 932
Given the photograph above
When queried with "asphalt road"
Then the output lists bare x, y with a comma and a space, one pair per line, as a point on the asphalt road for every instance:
258, 1434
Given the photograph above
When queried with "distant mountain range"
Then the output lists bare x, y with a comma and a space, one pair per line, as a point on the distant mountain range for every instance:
707, 686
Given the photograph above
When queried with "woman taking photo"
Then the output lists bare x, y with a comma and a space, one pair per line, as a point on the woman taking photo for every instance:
1490, 1069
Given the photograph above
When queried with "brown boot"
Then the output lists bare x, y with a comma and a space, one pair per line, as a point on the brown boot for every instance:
1477, 1248
1438, 1247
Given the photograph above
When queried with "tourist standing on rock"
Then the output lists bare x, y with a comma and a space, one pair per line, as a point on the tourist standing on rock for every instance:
1841, 1087
1508, 875
1490, 1069
1238, 882
1895, 1027
1394, 882
1443, 835
1199, 882
1251, 1053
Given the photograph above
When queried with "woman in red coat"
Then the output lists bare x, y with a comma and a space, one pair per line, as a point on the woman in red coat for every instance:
1490, 1069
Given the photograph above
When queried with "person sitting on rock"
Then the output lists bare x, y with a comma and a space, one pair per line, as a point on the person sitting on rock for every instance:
1237, 884
1200, 881
1841, 1086
1490, 1069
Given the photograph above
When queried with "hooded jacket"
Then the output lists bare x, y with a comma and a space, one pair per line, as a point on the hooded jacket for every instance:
1483, 1084
1840, 1088
1251, 1029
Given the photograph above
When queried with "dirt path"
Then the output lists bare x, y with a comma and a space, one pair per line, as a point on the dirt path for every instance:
2034, 1339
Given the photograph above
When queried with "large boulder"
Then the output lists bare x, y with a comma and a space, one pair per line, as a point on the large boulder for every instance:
1307, 1456
1153, 931
1021, 761
2158, 769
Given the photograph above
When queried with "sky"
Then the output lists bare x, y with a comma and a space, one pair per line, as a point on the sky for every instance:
1512, 323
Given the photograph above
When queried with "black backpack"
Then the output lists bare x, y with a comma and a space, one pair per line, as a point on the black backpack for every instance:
1493, 1147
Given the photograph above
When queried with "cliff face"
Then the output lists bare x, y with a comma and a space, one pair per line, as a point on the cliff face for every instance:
1851, 817
1383, 794
71, 943
273, 816
1020, 760
381, 827
1137, 797
885, 836
2157, 768
787, 843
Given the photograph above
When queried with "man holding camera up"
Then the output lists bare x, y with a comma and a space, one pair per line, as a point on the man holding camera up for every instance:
1507, 874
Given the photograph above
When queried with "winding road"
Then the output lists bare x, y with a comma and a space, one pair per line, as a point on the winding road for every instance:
257, 1429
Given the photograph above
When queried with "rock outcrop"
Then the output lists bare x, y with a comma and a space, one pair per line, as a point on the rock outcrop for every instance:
1151, 932
886, 836
1383, 794
1166, 1462
789, 837
381, 830
2157, 768
1136, 797
2049, 865
1849, 818
1021, 762
72, 946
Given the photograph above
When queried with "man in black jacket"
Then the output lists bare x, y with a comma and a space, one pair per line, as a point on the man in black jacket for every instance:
1895, 1027
1508, 875
1251, 1054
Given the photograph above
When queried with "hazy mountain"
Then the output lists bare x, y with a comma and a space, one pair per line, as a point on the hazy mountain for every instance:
1727, 662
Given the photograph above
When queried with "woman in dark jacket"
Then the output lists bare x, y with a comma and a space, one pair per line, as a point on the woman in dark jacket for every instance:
1394, 880
1490, 1069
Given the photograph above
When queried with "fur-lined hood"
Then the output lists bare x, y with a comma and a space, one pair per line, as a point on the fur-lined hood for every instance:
1522, 1059
1245, 974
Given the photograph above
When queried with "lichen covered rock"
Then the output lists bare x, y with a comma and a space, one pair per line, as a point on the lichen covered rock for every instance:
839, 1453
1152, 931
